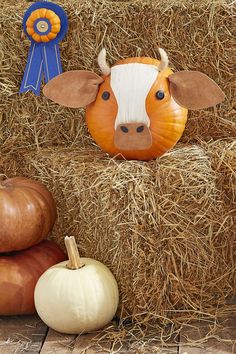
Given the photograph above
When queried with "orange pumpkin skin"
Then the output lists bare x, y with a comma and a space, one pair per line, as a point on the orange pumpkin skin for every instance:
27, 213
19, 274
167, 118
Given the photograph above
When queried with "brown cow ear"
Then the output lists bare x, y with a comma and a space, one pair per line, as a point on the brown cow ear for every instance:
194, 90
73, 88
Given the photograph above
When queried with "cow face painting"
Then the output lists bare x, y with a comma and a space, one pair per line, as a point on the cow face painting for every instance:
138, 108
134, 114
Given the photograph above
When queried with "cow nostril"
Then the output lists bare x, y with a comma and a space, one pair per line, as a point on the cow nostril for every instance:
124, 129
140, 129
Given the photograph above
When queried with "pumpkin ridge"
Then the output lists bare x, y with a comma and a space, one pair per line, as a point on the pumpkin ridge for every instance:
19, 274
17, 219
49, 203
27, 214
39, 188
40, 225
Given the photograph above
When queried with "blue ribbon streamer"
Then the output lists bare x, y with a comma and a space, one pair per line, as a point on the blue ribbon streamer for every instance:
42, 61
44, 58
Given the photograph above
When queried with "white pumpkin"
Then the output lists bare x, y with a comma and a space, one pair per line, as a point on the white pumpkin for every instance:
78, 296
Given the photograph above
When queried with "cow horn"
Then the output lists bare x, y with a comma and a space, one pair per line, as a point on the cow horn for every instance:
164, 59
105, 68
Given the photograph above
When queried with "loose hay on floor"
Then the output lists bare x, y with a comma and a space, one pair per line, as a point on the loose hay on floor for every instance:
197, 35
164, 227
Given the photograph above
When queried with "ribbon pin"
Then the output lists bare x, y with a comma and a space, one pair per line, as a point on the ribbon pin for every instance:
45, 24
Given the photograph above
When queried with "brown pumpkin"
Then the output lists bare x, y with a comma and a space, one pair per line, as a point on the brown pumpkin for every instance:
167, 118
27, 213
19, 273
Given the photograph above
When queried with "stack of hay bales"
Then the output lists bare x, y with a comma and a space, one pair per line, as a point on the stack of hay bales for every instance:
166, 228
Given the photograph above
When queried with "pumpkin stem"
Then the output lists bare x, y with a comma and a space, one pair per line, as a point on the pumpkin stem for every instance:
73, 253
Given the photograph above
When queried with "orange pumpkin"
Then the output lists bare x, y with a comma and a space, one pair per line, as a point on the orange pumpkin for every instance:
27, 213
19, 274
167, 118
138, 109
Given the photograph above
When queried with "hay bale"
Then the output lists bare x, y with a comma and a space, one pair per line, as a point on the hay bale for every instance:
196, 34
162, 227
223, 156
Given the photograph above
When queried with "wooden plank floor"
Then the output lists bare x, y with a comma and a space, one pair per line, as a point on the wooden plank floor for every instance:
28, 334
197, 338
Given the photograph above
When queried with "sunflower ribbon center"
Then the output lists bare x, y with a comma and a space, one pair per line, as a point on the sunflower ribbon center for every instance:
42, 26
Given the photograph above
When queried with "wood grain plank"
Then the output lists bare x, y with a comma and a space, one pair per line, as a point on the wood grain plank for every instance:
123, 340
128, 342
149, 346
21, 334
198, 339
58, 343
88, 344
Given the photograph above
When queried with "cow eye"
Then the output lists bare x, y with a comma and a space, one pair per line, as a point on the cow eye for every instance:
160, 95
105, 95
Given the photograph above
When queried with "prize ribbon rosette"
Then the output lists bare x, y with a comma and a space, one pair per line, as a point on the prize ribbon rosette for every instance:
45, 24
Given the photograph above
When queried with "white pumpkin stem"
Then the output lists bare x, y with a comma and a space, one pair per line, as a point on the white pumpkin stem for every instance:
73, 253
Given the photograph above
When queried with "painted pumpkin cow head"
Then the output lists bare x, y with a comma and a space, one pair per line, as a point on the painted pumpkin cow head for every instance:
138, 108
